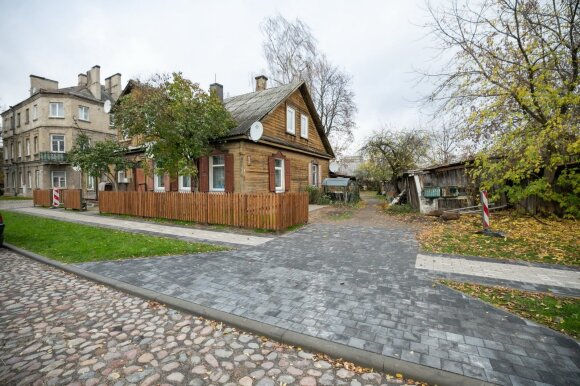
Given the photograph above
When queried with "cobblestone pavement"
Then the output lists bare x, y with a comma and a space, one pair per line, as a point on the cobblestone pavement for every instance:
56, 328
358, 286
547, 277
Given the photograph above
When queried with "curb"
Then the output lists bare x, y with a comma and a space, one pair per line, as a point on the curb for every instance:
337, 350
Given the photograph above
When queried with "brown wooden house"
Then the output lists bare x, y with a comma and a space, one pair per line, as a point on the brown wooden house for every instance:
292, 154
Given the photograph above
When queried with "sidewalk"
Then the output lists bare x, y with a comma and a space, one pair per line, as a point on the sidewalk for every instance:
192, 234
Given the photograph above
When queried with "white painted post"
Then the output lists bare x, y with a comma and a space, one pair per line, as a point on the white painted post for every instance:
484, 209
56, 198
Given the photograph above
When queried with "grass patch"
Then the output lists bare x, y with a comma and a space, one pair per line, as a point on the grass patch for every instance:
339, 215
555, 242
557, 312
74, 243
399, 210
14, 198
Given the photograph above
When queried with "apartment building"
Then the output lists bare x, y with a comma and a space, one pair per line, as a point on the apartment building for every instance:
40, 130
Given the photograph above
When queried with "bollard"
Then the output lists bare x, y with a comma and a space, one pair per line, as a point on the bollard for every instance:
484, 209
56, 198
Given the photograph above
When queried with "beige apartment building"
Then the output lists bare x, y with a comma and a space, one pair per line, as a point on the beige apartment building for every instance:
39, 131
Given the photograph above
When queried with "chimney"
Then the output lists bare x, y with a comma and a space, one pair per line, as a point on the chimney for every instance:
261, 83
82, 79
94, 81
113, 85
38, 82
218, 90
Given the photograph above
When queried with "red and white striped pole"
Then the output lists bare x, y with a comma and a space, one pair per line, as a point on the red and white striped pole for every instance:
56, 198
484, 210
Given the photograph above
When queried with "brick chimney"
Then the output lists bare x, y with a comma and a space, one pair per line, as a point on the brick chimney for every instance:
38, 82
94, 81
261, 83
218, 90
113, 85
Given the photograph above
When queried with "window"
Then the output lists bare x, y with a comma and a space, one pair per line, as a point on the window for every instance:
90, 182
29, 180
290, 120
111, 119
279, 174
57, 143
37, 179
6, 155
83, 113
122, 176
314, 174
59, 179
27, 146
303, 126
21, 179
34, 112
56, 110
19, 149
27, 116
18, 120
35, 145
217, 173
159, 180
12, 150
185, 183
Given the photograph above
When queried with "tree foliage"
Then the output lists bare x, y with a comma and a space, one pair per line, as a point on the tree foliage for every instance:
103, 158
514, 77
292, 53
175, 119
391, 152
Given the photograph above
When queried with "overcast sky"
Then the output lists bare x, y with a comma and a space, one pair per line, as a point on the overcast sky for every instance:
379, 43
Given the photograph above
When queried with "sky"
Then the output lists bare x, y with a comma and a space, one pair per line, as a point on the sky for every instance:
379, 43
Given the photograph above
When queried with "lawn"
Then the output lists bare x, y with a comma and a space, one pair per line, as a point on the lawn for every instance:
553, 241
74, 243
557, 312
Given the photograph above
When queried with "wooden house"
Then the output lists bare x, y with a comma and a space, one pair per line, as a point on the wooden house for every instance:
292, 153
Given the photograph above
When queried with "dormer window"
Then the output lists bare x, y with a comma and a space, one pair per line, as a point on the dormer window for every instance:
290, 120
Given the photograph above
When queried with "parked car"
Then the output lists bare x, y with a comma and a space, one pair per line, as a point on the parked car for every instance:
1, 230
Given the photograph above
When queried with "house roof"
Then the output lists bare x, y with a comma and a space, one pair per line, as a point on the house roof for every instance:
83, 92
255, 106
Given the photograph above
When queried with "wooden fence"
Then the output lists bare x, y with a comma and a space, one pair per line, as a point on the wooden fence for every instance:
264, 211
42, 197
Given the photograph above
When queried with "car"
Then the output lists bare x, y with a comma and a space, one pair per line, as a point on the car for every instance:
1, 230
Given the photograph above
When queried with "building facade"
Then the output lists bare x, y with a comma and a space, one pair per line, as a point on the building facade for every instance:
39, 131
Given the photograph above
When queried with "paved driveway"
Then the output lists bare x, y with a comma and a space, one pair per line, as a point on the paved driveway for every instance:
359, 286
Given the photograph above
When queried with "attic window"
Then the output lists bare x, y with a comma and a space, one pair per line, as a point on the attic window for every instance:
290, 120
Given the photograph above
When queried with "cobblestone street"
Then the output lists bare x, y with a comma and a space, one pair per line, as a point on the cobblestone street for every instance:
56, 328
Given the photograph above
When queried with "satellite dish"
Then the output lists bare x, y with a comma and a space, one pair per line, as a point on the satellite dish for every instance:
256, 131
107, 106
333, 166
76, 168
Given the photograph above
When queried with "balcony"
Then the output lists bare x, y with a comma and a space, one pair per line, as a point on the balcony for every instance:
53, 158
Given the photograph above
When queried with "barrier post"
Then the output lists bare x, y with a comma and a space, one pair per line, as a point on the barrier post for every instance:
56, 198
484, 209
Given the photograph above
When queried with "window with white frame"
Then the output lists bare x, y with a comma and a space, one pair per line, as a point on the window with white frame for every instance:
37, 179
29, 180
303, 126
159, 180
27, 146
56, 110
122, 176
90, 182
279, 174
12, 150
314, 170
185, 183
21, 179
111, 119
57, 142
290, 120
34, 112
217, 173
83, 113
19, 149
59, 180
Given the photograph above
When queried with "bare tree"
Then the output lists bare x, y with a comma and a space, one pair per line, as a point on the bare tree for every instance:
292, 54
444, 144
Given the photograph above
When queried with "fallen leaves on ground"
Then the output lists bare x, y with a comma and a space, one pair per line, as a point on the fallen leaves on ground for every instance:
557, 312
556, 241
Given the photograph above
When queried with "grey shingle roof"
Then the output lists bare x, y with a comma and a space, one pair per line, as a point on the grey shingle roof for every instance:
249, 108
83, 92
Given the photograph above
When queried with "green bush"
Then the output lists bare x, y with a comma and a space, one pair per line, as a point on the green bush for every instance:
316, 196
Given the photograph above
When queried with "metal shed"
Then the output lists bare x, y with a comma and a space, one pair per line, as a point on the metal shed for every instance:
341, 189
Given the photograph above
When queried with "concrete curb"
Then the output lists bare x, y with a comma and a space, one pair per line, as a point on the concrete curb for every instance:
337, 350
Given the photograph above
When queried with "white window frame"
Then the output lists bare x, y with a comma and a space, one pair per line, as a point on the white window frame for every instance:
290, 120
29, 179
158, 180
19, 149
211, 168
27, 146
281, 188
304, 126
52, 175
34, 112
182, 186
90, 182
37, 179
84, 113
58, 112
58, 146
314, 174
122, 177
